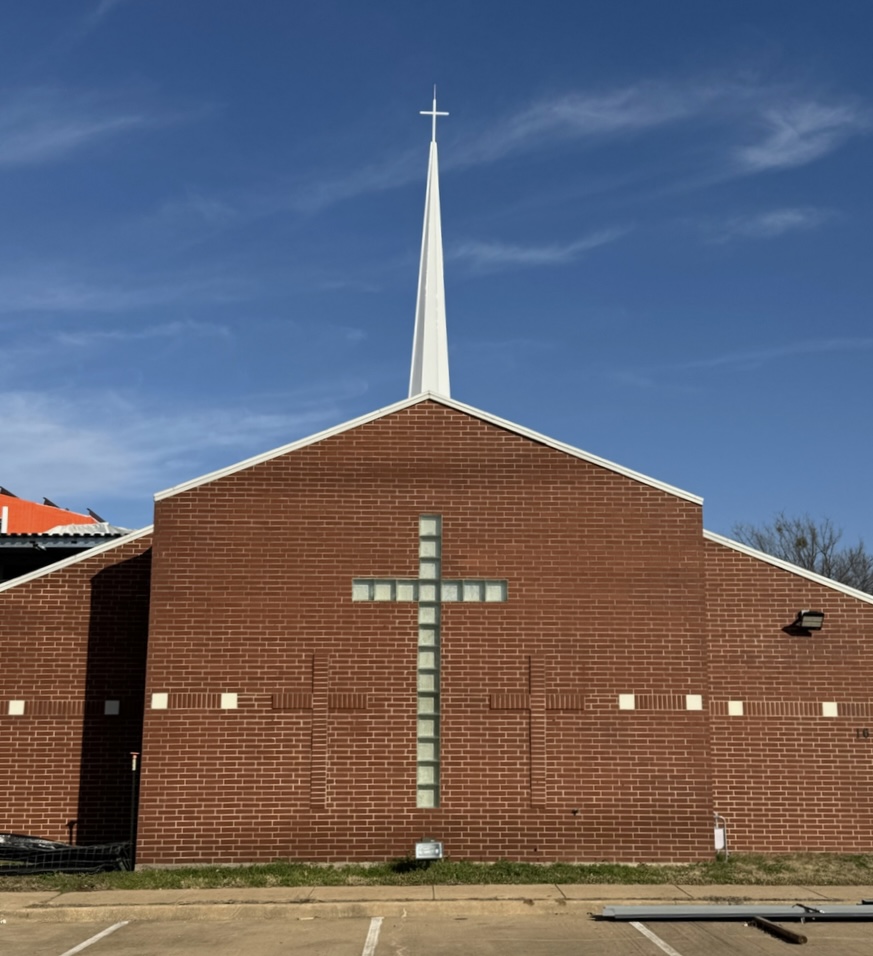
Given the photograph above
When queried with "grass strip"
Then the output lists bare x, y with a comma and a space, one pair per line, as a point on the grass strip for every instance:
739, 869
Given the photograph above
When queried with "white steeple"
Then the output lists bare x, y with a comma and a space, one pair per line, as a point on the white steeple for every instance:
430, 351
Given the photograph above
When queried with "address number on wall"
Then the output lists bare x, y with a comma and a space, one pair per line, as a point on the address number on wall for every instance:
862, 733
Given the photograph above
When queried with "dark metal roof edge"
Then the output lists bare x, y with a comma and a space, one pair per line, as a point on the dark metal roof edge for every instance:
43, 536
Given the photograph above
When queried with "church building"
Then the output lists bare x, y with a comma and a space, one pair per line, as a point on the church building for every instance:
434, 624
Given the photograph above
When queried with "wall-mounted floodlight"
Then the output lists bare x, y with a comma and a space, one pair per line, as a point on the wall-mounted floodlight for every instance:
809, 620
428, 850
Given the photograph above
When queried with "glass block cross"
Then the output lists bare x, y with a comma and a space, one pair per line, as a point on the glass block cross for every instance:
430, 591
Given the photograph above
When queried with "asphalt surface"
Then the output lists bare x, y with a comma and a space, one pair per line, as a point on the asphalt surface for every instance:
483, 920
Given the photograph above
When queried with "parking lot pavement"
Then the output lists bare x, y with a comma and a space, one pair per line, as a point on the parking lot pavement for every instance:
741, 939
541, 920
532, 935
41, 939
520, 936
265, 938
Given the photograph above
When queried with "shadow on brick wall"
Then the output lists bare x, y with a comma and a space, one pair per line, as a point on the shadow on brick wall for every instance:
117, 641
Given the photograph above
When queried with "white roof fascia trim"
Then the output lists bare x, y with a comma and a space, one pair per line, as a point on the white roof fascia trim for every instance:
451, 403
788, 566
76, 558
292, 446
569, 449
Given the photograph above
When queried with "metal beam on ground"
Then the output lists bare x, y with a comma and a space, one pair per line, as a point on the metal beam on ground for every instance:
739, 911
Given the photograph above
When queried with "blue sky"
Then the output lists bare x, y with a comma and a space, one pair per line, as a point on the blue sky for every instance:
656, 217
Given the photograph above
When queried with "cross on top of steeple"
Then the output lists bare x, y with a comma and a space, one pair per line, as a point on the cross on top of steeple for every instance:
433, 113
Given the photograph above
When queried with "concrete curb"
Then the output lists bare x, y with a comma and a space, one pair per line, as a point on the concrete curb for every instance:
458, 902
366, 909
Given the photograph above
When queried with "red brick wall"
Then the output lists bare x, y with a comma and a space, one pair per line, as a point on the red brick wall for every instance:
71, 639
612, 590
252, 595
785, 777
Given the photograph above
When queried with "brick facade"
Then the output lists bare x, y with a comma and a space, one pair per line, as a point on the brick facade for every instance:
788, 777
592, 715
252, 595
72, 639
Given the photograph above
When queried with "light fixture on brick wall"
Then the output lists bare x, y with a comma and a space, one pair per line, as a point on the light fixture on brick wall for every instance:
428, 850
809, 620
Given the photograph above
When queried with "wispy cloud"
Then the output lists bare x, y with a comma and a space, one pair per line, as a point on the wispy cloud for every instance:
582, 115
34, 352
106, 5
729, 128
754, 358
629, 378
45, 124
797, 133
93, 338
124, 449
196, 206
101, 10
49, 290
571, 115
37, 351
664, 376
375, 177
504, 355
498, 255
199, 213
787, 127
770, 224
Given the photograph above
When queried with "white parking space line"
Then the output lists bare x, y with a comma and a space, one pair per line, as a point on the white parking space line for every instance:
666, 947
94, 939
372, 937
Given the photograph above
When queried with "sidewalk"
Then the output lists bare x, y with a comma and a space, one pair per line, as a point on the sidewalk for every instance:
334, 902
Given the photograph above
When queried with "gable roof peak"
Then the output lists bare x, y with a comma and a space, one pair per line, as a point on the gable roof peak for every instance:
449, 403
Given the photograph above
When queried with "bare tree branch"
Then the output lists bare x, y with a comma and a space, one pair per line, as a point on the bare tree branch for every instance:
811, 544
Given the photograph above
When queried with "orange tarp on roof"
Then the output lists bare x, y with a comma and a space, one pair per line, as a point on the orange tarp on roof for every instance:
27, 517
